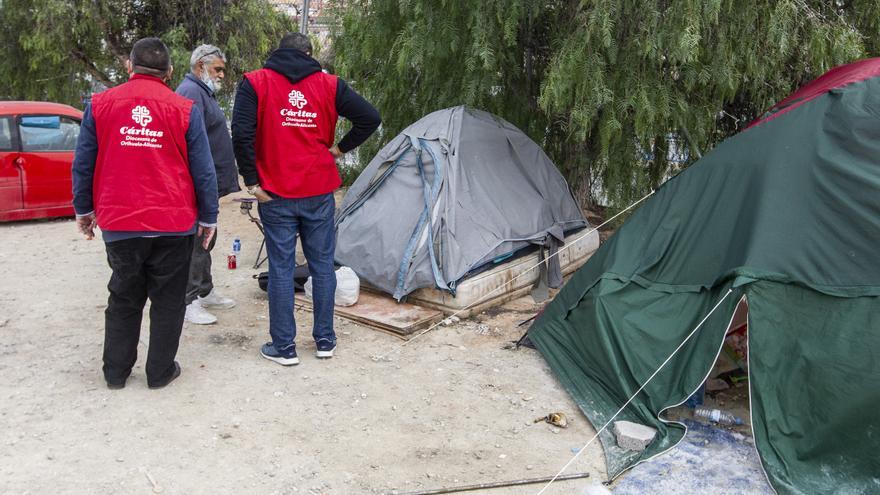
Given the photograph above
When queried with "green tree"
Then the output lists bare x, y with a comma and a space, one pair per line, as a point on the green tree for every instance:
59, 49
631, 72
600, 84
413, 57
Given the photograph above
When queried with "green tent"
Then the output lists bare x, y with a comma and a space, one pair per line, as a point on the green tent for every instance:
787, 215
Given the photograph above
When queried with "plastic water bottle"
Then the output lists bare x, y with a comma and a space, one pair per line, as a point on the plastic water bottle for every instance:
236, 247
717, 416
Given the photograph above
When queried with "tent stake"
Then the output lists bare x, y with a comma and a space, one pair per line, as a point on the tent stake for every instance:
497, 484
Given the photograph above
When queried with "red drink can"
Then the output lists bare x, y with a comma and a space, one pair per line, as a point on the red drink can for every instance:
230, 262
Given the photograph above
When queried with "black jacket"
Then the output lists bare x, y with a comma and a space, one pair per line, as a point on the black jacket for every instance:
218, 133
295, 65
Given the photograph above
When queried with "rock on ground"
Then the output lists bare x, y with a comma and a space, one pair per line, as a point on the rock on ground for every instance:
633, 436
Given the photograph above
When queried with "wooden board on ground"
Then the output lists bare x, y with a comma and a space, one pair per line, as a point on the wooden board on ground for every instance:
384, 313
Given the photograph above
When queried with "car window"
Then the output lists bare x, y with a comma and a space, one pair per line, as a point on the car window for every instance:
48, 133
5, 134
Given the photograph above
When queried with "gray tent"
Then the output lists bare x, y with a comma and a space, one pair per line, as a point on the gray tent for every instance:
455, 191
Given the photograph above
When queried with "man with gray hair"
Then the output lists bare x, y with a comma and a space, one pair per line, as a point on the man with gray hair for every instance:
205, 79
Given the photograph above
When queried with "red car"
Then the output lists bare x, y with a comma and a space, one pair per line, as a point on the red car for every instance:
36, 151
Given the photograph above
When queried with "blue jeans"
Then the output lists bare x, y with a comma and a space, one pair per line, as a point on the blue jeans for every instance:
312, 218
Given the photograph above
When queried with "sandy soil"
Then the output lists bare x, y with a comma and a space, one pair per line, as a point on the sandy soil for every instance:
452, 408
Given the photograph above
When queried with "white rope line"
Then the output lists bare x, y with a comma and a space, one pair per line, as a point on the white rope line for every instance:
683, 342
514, 279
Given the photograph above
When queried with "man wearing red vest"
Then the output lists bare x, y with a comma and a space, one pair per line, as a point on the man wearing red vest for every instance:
143, 173
283, 129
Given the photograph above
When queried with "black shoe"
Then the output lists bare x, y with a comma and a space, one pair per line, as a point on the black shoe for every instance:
116, 385
173, 377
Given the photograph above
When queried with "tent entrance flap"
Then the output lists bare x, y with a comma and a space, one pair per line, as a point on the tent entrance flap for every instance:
601, 366
398, 219
431, 175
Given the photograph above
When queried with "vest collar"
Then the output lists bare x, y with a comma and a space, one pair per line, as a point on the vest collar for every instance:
146, 77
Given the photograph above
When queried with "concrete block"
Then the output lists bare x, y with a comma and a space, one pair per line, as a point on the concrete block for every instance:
633, 436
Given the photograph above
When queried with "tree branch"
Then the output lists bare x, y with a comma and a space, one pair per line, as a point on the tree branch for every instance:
92, 69
112, 37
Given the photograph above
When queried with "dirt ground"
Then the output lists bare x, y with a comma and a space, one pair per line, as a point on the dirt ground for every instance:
454, 407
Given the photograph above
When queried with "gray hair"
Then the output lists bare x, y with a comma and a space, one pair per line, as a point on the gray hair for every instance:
207, 53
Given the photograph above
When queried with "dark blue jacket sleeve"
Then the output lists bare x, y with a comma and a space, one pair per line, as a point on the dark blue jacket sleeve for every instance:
83, 169
201, 167
244, 132
192, 92
363, 116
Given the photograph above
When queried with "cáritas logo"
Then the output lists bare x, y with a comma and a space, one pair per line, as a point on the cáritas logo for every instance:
141, 115
296, 116
297, 99
141, 137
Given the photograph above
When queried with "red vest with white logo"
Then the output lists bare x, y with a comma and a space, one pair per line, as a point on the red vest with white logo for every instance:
142, 179
296, 126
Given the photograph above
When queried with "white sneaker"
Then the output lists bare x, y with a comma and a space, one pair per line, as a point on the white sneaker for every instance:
196, 314
214, 300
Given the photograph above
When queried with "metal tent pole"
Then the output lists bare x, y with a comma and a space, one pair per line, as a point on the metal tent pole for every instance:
499, 484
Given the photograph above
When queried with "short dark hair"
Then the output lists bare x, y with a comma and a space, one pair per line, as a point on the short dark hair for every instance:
150, 53
297, 41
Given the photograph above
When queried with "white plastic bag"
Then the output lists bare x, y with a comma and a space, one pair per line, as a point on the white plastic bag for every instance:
348, 287
308, 287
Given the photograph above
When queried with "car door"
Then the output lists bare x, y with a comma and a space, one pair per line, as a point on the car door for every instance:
47, 144
10, 176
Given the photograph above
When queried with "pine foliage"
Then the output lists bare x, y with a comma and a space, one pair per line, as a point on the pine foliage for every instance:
59, 50
605, 86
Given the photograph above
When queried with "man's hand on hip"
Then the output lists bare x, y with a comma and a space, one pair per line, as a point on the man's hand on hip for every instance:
86, 225
336, 152
258, 192
205, 234
262, 196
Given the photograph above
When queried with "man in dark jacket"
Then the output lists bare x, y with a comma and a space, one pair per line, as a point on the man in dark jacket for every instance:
142, 172
205, 79
283, 130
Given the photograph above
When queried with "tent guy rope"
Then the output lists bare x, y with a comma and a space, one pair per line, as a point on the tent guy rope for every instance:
683, 342
491, 293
